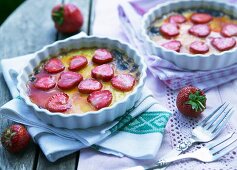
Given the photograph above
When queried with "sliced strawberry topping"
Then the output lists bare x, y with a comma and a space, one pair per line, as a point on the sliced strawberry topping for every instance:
200, 30
177, 18
201, 18
102, 56
58, 103
54, 65
103, 72
45, 83
89, 85
173, 45
69, 79
198, 47
100, 99
123, 82
223, 44
229, 30
169, 30
77, 63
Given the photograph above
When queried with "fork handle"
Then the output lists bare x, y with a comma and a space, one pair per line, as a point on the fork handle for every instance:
163, 163
183, 146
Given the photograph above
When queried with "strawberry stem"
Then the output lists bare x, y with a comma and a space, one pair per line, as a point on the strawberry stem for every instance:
7, 135
58, 15
203, 107
197, 101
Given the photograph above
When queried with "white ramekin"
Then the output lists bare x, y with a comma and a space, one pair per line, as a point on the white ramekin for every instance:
88, 119
185, 60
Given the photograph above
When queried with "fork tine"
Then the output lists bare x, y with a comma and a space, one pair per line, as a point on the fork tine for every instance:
210, 115
223, 123
216, 142
221, 119
221, 146
231, 145
215, 117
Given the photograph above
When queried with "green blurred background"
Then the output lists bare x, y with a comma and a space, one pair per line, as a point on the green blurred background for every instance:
7, 7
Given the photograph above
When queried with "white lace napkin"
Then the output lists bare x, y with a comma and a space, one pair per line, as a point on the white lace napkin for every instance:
141, 127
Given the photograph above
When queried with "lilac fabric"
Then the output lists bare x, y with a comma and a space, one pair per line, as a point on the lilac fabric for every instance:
130, 15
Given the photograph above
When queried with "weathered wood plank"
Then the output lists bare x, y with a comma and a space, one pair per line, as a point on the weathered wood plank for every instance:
65, 163
92, 16
9, 161
69, 162
19, 35
28, 29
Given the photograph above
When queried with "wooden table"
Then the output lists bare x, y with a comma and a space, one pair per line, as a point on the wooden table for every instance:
27, 30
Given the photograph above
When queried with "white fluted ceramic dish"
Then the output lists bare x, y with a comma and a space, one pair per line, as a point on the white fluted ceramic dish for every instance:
185, 60
88, 119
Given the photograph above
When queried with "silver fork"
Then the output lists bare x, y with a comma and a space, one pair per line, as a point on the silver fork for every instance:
211, 152
209, 127
205, 131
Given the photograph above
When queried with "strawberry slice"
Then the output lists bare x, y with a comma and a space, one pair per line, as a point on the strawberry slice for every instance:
177, 18
169, 30
103, 72
102, 56
89, 85
123, 82
198, 47
58, 103
100, 99
174, 45
45, 83
201, 18
200, 30
54, 65
229, 30
223, 44
68, 80
77, 63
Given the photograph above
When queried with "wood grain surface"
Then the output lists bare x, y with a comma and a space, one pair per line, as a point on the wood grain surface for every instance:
27, 30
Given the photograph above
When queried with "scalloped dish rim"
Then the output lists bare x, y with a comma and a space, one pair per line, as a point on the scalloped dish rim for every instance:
158, 7
45, 48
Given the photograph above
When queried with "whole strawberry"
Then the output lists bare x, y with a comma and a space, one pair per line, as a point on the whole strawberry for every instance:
191, 101
67, 18
15, 138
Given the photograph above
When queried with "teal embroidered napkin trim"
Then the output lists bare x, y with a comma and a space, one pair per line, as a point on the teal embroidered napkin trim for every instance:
148, 122
121, 124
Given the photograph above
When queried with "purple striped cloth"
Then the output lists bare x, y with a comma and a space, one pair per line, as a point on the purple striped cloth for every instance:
130, 14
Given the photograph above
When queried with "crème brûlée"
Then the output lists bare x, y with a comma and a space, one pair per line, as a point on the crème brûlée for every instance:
82, 80
195, 31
